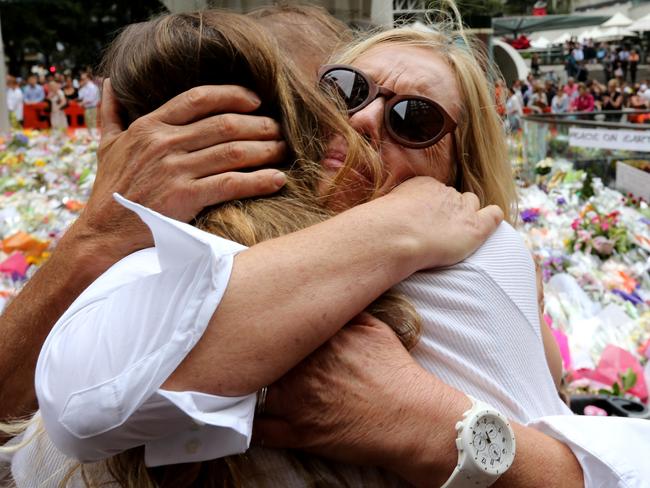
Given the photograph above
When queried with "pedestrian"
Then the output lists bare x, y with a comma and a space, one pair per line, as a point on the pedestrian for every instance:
89, 99
58, 102
634, 63
14, 103
33, 92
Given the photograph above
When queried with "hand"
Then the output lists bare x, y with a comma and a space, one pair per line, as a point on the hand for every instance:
361, 398
179, 159
448, 225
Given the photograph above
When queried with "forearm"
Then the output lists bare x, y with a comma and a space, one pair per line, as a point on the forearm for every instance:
540, 460
286, 297
28, 319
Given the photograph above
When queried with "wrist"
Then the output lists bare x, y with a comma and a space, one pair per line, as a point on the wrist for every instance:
429, 454
91, 252
404, 245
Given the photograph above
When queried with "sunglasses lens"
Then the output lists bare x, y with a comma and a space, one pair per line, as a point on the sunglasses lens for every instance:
416, 120
350, 86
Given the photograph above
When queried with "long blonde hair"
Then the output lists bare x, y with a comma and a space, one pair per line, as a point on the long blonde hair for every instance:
483, 164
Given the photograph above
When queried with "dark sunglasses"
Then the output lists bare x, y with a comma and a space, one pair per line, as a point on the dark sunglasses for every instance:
411, 120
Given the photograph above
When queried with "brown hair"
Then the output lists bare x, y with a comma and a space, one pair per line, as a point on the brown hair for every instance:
320, 33
150, 63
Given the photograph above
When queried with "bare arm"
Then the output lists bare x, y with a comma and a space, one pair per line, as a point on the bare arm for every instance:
147, 163
286, 297
363, 399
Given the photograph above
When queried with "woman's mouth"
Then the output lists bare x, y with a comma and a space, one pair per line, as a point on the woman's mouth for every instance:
336, 153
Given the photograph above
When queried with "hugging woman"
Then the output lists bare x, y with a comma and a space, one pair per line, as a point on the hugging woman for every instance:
155, 366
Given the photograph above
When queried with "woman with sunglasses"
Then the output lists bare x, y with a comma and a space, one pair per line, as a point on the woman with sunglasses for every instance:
420, 130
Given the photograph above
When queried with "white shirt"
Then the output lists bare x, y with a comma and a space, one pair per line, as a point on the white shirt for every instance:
513, 106
89, 95
15, 102
99, 374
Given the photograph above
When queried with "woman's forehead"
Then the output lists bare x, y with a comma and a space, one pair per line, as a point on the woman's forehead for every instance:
411, 70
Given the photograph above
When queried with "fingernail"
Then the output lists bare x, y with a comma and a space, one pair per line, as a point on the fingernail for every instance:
279, 179
254, 98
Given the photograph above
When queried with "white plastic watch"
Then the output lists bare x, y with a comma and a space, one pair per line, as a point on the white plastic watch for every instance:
486, 447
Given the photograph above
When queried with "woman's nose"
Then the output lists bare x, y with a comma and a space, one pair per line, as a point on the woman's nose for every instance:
369, 121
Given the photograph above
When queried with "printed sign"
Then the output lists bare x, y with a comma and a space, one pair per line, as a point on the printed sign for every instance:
632, 180
628, 140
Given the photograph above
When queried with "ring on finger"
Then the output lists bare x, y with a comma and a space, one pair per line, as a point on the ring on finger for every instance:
260, 405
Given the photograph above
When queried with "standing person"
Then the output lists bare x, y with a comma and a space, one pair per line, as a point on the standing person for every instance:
613, 100
14, 103
500, 97
560, 102
634, 64
69, 90
551, 89
514, 111
538, 100
624, 60
571, 88
58, 102
583, 73
89, 99
534, 64
33, 92
584, 102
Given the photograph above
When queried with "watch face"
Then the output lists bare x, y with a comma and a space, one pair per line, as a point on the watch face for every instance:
491, 443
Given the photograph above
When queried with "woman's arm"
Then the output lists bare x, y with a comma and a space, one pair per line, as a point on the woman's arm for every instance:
291, 294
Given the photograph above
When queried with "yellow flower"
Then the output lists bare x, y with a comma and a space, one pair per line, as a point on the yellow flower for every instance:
38, 260
10, 160
40, 163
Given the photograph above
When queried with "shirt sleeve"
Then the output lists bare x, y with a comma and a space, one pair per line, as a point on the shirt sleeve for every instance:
612, 451
99, 373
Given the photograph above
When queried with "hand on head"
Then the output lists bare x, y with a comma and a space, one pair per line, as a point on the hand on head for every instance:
181, 158
452, 224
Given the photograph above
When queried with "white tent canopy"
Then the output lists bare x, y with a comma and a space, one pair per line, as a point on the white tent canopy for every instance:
618, 20
540, 43
641, 25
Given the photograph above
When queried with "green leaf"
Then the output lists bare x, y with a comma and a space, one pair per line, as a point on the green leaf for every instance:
616, 389
628, 379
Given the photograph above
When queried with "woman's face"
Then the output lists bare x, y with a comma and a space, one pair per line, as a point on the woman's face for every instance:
405, 71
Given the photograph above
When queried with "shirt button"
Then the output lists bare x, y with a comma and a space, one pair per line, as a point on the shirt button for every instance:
192, 446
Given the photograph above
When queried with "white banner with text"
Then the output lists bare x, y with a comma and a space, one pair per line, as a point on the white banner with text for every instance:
628, 140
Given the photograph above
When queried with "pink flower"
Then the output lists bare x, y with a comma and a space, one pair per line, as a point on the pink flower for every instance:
604, 226
575, 224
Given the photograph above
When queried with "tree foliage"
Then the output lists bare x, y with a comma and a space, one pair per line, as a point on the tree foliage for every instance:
69, 33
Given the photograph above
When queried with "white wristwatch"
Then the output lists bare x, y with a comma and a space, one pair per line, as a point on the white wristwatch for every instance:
486, 447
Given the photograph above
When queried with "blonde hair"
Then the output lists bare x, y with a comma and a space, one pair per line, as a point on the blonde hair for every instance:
483, 166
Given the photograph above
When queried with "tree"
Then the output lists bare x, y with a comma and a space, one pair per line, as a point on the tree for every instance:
68, 33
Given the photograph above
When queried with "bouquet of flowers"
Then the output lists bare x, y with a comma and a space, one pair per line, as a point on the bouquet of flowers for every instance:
598, 233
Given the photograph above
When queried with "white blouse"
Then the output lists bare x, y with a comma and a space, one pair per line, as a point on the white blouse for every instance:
99, 373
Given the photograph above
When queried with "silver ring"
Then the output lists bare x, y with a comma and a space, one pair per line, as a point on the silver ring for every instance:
260, 405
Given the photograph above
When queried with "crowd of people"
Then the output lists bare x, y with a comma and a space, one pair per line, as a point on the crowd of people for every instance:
536, 95
56, 91
618, 61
